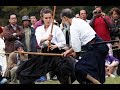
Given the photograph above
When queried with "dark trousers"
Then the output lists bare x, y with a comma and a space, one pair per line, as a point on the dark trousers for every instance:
92, 62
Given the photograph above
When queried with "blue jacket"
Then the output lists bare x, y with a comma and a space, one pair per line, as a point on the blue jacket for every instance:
32, 41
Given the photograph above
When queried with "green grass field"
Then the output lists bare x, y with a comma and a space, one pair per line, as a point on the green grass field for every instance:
109, 80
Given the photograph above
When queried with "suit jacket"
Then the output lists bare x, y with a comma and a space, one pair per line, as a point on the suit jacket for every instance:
9, 38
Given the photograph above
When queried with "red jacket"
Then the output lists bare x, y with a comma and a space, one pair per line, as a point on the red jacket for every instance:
101, 28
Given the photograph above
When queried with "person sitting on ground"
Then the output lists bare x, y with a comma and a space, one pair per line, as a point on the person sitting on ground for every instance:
15, 60
3, 80
111, 64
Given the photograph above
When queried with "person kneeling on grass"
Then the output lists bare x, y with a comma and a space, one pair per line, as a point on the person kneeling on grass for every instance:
111, 64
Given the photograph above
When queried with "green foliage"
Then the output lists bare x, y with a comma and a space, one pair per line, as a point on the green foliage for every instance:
10, 9
23, 12
34, 10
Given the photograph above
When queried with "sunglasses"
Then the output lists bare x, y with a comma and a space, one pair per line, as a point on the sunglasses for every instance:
96, 12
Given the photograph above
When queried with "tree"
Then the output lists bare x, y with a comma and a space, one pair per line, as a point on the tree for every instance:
35, 10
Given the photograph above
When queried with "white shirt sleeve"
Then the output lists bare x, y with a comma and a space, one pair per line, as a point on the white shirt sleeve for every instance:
39, 34
60, 38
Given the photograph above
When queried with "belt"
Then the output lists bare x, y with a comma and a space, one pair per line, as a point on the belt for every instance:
93, 41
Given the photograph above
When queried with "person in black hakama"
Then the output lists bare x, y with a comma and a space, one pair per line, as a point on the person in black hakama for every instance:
41, 65
83, 36
63, 68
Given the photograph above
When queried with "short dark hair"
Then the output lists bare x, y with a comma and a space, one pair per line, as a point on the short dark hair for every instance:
84, 10
12, 14
68, 13
18, 44
45, 11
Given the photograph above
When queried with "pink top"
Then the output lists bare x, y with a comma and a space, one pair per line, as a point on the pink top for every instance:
38, 23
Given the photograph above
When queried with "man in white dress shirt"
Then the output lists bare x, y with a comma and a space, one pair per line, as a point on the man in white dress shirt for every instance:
83, 36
